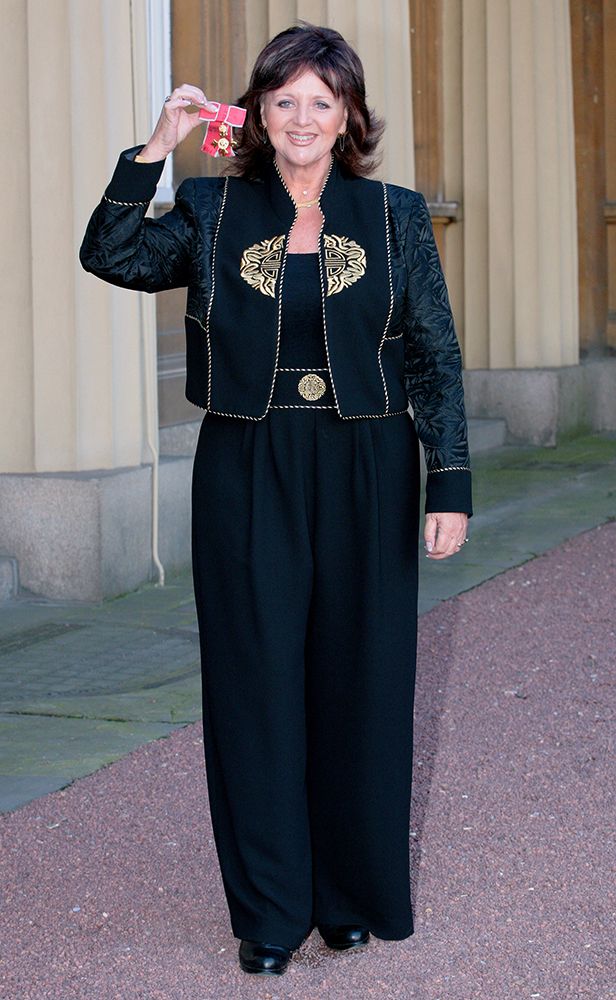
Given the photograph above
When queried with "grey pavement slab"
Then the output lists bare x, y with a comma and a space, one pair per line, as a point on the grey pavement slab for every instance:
92, 669
81, 685
135, 660
48, 752
527, 501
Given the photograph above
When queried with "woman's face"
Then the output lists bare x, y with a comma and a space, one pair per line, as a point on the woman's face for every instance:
303, 119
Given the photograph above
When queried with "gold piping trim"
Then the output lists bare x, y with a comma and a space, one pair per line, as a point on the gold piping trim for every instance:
451, 468
365, 416
391, 299
212, 290
129, 204
197, 320
242, 416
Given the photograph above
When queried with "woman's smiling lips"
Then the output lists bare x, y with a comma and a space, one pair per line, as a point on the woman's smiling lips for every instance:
300, 138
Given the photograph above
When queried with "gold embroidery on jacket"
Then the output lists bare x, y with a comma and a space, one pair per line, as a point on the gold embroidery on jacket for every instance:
345, 263
260, 265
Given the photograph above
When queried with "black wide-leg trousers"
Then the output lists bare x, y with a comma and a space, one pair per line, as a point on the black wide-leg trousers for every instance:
305, 538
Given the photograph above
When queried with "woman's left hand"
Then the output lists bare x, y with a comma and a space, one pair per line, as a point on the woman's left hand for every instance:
444, 534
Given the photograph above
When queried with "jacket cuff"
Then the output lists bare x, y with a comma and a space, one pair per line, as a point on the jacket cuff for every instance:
134, 183
449, 491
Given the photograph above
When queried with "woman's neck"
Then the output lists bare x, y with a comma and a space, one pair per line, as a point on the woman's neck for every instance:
304, 182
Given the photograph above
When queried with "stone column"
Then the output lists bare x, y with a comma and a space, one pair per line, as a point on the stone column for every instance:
75, 395
72, 386
16, 389
520, 247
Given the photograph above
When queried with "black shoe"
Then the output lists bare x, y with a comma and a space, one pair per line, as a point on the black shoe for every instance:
264, 959
343, 936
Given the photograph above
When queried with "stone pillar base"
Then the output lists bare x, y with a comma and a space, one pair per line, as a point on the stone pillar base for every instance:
87, 536
539, 404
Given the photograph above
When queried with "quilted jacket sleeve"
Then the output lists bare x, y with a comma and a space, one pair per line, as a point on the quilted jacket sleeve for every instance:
433, 368
124, 247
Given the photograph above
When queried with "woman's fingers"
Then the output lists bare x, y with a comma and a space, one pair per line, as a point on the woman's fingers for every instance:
444, 534
186, 92
186, 95
430, 530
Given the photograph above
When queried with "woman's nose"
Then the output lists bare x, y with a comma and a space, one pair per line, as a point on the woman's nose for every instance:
302, 115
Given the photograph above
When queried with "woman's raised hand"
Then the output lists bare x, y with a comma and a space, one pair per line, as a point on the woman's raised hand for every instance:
175, 122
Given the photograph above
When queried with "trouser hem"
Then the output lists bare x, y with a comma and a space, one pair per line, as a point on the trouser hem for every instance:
274, 937
383, 934
293, 943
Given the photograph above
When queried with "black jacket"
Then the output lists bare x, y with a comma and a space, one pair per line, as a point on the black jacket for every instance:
389, 341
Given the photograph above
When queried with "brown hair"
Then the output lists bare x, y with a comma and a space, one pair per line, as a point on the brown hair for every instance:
284, 58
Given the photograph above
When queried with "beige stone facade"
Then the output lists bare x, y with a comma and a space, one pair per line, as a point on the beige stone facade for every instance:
494, 109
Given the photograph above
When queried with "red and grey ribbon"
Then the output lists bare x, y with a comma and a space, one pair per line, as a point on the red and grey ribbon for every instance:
218, 140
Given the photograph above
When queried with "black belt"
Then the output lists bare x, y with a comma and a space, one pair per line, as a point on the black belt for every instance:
303, 388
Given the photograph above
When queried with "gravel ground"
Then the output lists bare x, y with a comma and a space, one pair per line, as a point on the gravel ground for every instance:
111, 891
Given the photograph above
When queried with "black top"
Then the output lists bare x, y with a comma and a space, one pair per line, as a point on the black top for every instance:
302, 341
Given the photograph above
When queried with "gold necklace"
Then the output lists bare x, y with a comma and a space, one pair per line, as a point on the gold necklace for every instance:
307, 204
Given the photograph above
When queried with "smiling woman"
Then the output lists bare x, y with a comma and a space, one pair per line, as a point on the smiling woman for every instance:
332, 82
303, 120
317, 310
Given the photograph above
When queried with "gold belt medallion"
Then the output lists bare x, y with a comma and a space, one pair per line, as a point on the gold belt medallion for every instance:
311, 386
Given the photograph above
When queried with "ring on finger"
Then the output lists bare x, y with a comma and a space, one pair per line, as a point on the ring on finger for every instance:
168, 98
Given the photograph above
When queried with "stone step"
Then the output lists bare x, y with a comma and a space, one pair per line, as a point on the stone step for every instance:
9, 578
484, 434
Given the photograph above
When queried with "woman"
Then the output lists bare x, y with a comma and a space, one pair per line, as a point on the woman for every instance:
316, 310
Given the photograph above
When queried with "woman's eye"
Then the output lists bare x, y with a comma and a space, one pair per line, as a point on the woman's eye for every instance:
322, 106
284, 104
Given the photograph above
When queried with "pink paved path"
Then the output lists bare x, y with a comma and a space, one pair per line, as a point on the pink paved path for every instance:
111, 888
